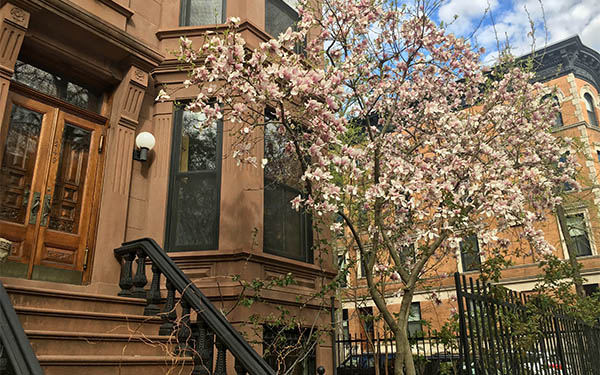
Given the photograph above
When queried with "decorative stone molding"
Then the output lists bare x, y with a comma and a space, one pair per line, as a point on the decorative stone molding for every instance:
14, 22
129, 97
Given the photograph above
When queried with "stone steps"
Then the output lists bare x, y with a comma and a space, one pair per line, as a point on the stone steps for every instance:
92, 334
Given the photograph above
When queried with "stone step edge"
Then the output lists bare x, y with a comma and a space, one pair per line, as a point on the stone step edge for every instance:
112, 360
25, 310
95, 336
72, 295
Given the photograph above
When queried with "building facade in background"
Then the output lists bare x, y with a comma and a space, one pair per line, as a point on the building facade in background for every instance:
78, 79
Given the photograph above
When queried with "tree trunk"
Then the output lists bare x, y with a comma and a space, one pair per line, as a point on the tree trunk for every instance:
403, 362
562, 222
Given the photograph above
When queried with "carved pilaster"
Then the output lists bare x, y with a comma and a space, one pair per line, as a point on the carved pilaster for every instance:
12, 31
124, 119
159, 171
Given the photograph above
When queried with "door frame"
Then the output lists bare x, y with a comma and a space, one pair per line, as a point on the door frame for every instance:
88, 115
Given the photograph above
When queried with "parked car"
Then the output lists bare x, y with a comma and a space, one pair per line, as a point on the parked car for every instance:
543, 363
364, 364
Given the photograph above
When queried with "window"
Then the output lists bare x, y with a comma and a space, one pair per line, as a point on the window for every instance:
579, 234
202, 12
342, 269
590, 289
415, 324
469, 254
287, 348
278, 17
558, 121
589, 106
598, 154
56, 86
345, 325
367, 320
193, 212
287, 232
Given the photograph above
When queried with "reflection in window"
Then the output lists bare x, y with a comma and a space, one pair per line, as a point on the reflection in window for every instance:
589, 106
279, 16
579, 234
287, 232
202, 12
18, 163
56, 86
415, 323
193, 222
469, 254
70, 179
558, 121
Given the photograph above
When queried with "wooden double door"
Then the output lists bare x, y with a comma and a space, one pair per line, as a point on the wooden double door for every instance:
49, 177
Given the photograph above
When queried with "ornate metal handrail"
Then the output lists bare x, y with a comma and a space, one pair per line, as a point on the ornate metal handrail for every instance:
17, 356
198, 338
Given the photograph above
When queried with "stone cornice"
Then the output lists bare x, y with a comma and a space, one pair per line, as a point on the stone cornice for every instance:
192, 31
565, 57
146, 55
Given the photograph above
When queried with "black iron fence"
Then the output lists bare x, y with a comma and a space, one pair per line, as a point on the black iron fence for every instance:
360, 355
501, 333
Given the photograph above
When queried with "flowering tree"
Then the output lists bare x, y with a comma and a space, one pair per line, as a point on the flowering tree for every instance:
398, 129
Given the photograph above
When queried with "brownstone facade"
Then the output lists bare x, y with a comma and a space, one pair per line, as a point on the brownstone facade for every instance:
73, 203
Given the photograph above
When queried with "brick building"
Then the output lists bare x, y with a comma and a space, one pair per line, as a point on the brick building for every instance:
574, 71
78, 81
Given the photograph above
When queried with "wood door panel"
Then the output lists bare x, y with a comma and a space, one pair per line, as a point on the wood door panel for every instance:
69, 195
24, 155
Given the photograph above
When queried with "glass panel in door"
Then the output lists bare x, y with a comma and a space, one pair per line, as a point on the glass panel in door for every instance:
24, 155
68, 201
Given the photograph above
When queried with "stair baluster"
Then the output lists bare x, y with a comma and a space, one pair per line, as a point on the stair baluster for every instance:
211, 325
221, 366
125, 280
153, 296
140, 280
239, 368
184, 333
169, 314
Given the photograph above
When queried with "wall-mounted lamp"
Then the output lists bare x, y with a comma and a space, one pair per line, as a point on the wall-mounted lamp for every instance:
144, 143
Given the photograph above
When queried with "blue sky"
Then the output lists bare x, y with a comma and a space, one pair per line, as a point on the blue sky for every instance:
563, 19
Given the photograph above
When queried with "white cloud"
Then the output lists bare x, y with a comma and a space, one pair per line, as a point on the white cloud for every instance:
564, 19
469, 12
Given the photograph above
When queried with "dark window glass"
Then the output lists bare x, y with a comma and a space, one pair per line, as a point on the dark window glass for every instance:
579, 234
193, 221
589, 106
415, 323
287, 232
56, 86
342, 269
289, 349
598, 154
202, 12
469, 253
590, 289
367, 320
279, 17
345, 325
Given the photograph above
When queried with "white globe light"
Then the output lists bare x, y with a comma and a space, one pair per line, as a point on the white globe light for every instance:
145, 140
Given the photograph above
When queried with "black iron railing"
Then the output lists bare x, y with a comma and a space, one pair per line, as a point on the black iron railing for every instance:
198, 338
360, 355
16, 354
505, 332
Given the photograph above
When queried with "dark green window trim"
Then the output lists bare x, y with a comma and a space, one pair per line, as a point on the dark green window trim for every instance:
176, 217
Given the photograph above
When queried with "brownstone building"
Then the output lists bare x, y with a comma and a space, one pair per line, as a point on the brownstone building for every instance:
78, 79
571, 71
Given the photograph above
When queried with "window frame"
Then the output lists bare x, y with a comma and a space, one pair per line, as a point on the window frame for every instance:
184, 13
591, 112
590, 237
174, 172
463, 253
306, 231
284, 7
415, 322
